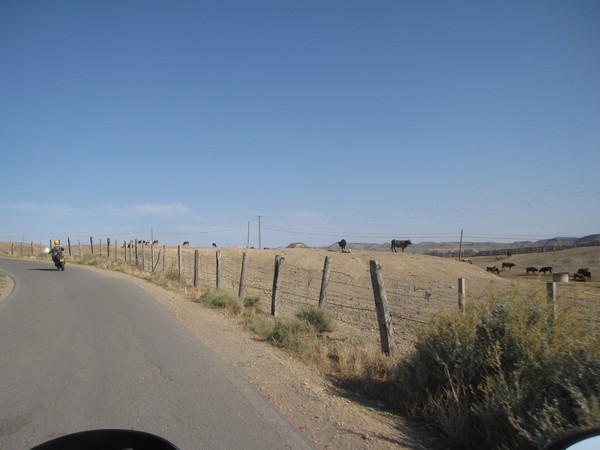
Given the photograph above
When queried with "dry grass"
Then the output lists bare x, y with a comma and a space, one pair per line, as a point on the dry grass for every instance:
506, 375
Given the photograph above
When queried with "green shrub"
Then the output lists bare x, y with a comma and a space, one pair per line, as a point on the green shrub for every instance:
291, 333
507, 375
260, 325
319, 318
220, 299
251, 303
298, 334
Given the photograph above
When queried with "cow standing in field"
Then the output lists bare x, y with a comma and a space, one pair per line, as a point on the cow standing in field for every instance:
546, 269
530, 270
493, 269
396, 243
186, 243
507, 264
342, 245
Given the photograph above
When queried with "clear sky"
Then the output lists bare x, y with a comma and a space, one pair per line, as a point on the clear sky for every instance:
364, 120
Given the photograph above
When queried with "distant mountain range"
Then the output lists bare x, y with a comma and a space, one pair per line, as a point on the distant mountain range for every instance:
474, 247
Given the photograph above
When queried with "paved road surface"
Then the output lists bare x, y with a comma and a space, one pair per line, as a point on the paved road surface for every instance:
81, 349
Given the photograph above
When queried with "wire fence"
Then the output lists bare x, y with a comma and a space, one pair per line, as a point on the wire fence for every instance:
470, 253
349, 296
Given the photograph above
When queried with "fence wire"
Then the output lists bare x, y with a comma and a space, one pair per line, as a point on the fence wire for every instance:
349, 297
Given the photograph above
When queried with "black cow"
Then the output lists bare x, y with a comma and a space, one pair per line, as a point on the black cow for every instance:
396, 243
493, 269
546, 269
507, 264
342, 244
586, 273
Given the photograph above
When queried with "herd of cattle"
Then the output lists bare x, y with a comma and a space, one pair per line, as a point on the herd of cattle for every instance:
396, 243
132, 243
583, 274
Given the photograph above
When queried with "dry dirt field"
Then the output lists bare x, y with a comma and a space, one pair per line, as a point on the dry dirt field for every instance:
309, 399
583, 297
418, 287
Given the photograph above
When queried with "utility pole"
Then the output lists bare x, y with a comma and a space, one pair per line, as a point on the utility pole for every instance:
248, 237
259, 237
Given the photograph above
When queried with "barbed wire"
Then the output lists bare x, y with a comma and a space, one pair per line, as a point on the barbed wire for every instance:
350, 297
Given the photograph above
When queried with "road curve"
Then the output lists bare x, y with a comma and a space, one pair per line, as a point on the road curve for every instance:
82, 350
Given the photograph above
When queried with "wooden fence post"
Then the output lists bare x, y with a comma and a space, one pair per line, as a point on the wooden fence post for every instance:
324, 283
31, 248
69, 245
276, 295
136, 253
107, 248
242, 289
92, 244
157, 261
551, 292
195, 267
12, 249
462, 296
152, 254
384, 317
179, 268
218, 269
143, 257
79, 245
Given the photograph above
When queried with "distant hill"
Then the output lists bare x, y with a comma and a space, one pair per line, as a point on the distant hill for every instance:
474, 247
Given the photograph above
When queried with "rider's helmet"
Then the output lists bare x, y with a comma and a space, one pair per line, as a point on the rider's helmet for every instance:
56, 242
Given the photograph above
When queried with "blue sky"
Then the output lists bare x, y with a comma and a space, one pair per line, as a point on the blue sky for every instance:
363, 120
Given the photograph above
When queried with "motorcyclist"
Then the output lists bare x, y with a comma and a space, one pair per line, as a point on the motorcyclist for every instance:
56, 249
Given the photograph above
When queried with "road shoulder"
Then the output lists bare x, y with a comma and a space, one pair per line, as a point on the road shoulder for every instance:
6, 286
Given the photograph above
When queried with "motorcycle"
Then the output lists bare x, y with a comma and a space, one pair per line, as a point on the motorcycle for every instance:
58, 258
116, 439
111, 439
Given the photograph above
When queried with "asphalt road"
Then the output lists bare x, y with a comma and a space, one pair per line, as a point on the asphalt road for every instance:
81, 349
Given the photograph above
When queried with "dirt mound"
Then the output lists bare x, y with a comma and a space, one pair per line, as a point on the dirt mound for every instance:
298, 245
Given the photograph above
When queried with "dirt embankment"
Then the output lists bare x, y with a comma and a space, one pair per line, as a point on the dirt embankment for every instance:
6, 286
